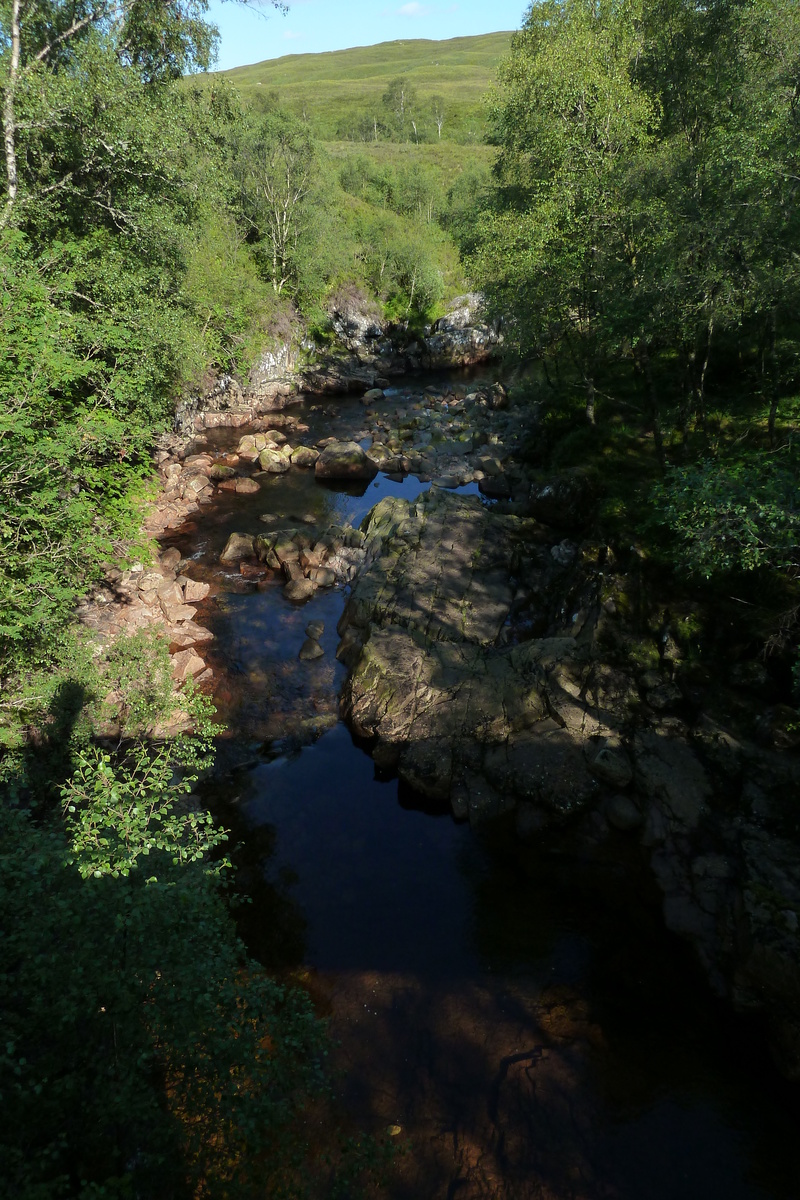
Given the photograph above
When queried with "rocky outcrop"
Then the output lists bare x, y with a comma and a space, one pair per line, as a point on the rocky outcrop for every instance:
487, 668
368, 353
463, 712
462, 338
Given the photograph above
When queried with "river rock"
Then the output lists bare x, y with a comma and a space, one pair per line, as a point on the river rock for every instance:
194, 591
466, 716
611, 765
185, 664
323, 577
273, 461
304, 456
170, 558
299, 590
238, 545
345, 460
315, 630
219, 472
247, 486
310, 650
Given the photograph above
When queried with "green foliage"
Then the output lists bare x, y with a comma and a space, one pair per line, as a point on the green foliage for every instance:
733, 516
277, 165
141, 1053
71, 471
122, 280
639, 239
224, 292
116, 813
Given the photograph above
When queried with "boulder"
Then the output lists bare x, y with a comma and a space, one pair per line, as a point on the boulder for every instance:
238, 545
345, 460
219, 472
194, 591
273, 461
247, 487
299, 590
465, 715
185, 664
170, 558
611, 765
355, 317
323, 577
304, 456
310, 650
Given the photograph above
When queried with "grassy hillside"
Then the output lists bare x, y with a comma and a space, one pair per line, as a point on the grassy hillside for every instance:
330, 89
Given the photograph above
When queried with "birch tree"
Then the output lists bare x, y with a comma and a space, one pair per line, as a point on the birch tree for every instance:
278, 167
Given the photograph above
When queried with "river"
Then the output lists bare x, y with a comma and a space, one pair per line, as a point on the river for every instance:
520, 1012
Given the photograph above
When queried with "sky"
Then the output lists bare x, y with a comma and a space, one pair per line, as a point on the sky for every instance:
251, 33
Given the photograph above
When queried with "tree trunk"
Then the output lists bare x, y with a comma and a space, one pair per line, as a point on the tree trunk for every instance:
9, 117
774, 375
701, 391
590, 399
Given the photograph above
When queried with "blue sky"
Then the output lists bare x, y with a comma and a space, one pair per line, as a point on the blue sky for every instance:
253, 33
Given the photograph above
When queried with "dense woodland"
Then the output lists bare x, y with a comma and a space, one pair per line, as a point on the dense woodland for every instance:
633, 220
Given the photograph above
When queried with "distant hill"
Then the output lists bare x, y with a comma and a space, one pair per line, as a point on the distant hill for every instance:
337, 90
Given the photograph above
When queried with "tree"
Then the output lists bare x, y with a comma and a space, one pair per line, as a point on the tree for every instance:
277, 166
159, 38
568, 119
438, 110
400, 100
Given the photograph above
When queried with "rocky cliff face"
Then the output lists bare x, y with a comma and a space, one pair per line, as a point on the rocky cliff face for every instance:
492, 667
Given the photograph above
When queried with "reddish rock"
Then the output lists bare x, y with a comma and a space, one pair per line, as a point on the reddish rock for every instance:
247, 487
169, 559
309, 560
189, 633
194, 591
292, 570
178, 612
185, 664
252, 570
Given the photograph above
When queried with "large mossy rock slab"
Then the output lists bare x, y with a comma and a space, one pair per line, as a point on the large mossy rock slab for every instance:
464, 714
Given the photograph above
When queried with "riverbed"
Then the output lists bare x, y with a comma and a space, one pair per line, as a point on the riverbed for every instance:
519, 1011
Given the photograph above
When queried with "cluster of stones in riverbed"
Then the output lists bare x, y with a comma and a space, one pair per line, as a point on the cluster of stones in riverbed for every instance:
451, 437
448, 437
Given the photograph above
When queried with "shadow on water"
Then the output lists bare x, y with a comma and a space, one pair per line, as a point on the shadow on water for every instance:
518, 1009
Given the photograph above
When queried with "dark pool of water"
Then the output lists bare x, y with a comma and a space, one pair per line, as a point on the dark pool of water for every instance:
521, 1011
